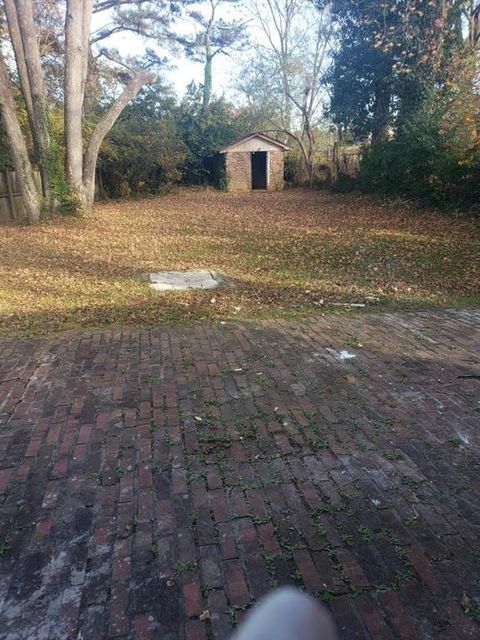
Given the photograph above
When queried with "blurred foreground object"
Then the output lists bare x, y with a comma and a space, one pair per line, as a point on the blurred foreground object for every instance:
287, 614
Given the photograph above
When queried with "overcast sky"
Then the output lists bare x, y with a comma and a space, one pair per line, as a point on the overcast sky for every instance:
182, 70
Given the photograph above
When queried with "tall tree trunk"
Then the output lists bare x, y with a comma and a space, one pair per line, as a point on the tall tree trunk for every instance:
17, 44
101, 130
18, 148
80, 166
77, 29
310, 150
86, 23
37, 97
207, 79
381, 112
207, 68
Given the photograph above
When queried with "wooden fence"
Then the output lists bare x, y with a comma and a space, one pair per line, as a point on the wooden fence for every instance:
347, 160
343, 159
331, 162
11, 203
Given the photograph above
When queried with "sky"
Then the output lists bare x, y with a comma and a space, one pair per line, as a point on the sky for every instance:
182, 70
186, 70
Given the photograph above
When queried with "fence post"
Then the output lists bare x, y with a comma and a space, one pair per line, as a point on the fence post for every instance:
335, 160
11, 201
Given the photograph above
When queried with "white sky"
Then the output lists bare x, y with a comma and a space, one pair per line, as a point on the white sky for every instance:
226, 68
183, 70
187, 70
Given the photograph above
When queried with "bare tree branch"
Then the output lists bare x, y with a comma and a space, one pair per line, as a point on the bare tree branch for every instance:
112, 4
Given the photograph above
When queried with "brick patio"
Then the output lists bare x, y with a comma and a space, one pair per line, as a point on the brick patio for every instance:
148, 476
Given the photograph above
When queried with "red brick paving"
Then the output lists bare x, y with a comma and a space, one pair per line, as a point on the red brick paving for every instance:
147, 476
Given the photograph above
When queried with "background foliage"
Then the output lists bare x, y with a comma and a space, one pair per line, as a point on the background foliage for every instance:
402, 79
405, 82
159, 142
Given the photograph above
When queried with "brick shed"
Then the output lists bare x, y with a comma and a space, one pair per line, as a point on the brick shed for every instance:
255, 161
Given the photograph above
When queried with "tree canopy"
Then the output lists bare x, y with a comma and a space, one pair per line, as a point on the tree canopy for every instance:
400, 77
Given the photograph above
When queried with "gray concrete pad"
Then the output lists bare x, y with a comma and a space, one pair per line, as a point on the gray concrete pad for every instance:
183, 280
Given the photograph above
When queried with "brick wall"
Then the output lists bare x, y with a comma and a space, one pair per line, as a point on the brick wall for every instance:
239, 170
276, 165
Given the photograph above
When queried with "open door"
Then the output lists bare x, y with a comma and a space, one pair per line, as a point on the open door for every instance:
259, 169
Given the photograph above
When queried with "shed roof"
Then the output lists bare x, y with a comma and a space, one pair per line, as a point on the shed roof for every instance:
255, 135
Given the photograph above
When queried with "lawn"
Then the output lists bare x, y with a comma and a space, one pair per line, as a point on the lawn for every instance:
289, 253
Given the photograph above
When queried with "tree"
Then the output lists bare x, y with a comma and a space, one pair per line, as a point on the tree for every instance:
71, 183
204, 133
80, 165
144, 151
360, 77
285, 75
390, 55
425, 128
18, 147
213, 36
197, 26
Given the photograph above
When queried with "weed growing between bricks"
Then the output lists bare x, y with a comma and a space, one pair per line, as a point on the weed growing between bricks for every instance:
153, 484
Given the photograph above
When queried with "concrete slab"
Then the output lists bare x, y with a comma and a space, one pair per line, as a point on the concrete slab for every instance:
183, 280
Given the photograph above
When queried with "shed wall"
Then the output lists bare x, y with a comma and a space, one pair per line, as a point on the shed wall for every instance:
276, 160
239, 170
253, 144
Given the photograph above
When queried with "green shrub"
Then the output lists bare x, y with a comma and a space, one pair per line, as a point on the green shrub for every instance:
291, 168
344, 183
424, 161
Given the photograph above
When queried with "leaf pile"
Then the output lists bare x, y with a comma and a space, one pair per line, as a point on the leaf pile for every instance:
291, 252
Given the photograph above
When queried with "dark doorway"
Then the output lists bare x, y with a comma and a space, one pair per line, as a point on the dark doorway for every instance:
259, 170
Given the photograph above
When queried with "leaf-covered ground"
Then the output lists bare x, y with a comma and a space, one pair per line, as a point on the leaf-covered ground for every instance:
294, 252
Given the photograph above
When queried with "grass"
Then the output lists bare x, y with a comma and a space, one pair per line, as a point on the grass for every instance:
5, 546
184, 566
289, 253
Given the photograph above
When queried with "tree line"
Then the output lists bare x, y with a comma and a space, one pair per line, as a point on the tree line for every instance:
399, 77
63, 88
159, 141
406, 78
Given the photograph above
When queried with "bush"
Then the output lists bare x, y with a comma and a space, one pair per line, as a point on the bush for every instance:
344, 183
291, 168
412, 169
144, 151
425, 161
